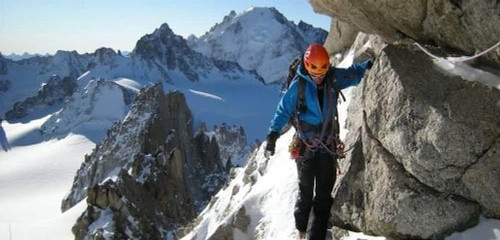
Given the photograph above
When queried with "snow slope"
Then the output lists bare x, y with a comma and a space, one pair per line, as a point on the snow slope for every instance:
33, 180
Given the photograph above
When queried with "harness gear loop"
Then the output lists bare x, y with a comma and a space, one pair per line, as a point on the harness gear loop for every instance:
332, 143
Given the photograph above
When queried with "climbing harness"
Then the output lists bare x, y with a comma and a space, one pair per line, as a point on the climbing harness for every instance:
331, 144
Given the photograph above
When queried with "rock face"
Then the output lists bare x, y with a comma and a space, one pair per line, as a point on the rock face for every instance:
468, 25
426, 149
169, 49
233, 145
143, 203
102, 101
105, 57
150, 175
4, 85
54, 91
426, 142
4, 82
3, 64
170, 54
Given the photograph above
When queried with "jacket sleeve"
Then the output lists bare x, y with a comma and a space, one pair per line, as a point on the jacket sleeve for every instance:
286, 108
351, 76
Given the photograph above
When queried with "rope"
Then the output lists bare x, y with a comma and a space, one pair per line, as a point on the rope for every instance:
459, 59
317, 143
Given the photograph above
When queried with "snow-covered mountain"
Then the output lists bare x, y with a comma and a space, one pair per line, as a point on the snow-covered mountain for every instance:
161, 56
259, 39
24, 78
100, 103
51, 93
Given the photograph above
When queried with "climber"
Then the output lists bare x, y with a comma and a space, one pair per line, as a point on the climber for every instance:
312, 106
3, 138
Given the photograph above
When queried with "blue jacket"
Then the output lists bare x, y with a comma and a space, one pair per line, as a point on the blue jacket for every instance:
314, 115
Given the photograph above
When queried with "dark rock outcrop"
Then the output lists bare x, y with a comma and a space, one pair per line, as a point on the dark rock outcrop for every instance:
150, 175
143, 203
54, 91
165, 51
170, 50
232, 143
4, 85
105, 57
3, 65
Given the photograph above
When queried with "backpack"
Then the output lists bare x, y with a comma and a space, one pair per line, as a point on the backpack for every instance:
301, 102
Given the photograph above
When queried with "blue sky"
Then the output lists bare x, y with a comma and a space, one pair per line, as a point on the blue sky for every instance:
45, 26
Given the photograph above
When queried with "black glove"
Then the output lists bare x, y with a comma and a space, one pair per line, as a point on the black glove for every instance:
271, 142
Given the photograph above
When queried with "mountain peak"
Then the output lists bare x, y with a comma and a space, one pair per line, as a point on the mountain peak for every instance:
231, 15
160, 43
164, 28
256, 39
62, 53
269, 13
261, 10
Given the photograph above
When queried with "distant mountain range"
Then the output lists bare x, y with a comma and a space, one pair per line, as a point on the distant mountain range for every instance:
26, 55
212, 71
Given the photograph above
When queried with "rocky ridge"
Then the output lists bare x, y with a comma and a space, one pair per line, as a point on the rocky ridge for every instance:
150, 175
85, 106
161, 56
234, 149
55, 91
168, 51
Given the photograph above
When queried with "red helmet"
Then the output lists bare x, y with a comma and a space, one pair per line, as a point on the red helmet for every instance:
316, 59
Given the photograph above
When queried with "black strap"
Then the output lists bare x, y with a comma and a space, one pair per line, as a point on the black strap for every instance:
301, 102
331, 78
301, 97
329, 111
335, 121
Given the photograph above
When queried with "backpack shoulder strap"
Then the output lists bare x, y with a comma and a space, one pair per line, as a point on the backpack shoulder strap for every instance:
301, 96
292, 71
301, 104
332, 80
335, 85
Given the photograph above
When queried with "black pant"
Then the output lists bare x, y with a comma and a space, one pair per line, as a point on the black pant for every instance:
320, 167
